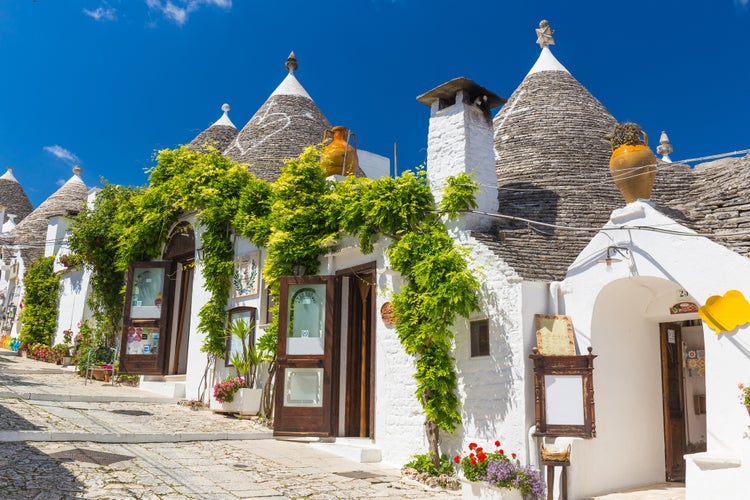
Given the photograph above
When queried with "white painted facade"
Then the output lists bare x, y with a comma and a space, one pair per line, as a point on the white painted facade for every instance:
616, 308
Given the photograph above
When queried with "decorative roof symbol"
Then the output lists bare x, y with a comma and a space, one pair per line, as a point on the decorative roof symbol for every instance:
544, 34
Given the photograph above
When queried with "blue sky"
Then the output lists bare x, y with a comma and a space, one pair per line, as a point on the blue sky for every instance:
104, 84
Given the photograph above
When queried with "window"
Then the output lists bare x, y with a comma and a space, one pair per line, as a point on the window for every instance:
234, 343
480, 338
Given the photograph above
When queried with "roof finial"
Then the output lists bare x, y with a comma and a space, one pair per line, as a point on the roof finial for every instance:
664, 147
77, 170
291, 63
225, 107
544, 34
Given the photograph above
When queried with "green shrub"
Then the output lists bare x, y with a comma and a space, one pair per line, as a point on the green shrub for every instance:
423, 463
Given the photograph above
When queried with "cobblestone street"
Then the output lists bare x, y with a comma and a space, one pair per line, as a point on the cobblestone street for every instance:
63, 439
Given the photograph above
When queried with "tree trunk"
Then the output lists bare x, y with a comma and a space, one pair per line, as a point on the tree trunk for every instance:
433, 439
267, 398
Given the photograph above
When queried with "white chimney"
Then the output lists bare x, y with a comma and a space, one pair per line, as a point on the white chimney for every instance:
460, 139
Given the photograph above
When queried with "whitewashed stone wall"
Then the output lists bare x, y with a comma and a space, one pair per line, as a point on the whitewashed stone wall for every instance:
497, 404
196, 386
611, 307
72, 309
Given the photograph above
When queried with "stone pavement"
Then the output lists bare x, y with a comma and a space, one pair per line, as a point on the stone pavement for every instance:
61, 439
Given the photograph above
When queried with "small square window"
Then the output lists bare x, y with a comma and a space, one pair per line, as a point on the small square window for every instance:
480, 338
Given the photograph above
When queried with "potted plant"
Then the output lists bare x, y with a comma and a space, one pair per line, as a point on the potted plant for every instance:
239, 394
633, 164
745, 395
495, 475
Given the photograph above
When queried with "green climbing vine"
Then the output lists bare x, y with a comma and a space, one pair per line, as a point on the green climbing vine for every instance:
94, 239
41, 294
301, 217
309, 215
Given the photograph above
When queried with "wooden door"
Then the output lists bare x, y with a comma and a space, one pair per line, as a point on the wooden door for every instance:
359, 415
145, 334
305, 356
673, 401
182, 330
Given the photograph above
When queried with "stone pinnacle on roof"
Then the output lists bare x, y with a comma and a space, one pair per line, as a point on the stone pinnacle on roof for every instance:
546, 61
291, 63
664, 147
77, 170
224, 120
218, 136
544, 34
8, 175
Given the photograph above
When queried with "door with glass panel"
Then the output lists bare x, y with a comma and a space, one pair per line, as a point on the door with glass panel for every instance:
305, 358
145, 338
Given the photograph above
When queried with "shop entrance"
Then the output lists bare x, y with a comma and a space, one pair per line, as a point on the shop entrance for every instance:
683, 394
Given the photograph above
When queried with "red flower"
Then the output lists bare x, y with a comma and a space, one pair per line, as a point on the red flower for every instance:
479, 450
502, 452
471, 455
472, 446
513, 455
473, 461
482, 457
497, 443
457, 459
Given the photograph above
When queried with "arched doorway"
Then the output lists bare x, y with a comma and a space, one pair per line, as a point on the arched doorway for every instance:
650, 400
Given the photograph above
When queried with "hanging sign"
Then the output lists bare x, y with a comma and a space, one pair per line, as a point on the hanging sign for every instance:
683, 308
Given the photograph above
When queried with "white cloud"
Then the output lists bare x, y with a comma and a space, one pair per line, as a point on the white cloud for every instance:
179, 11
62, 153
106, 13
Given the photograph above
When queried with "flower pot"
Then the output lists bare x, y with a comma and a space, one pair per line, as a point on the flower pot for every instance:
66, 360
245, 402
98, 373
474, 489
633, 168
249, 401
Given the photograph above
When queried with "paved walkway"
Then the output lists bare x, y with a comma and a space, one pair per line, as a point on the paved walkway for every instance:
61, 439
65, 440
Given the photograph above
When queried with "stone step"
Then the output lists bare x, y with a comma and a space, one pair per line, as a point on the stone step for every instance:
361, 450
170, 386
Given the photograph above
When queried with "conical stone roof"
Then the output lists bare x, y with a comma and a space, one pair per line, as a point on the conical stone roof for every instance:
218, 136
287, 123
31, 232
13, 198
552, 160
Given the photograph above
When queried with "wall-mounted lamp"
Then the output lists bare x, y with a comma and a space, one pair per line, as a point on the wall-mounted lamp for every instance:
614, 250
